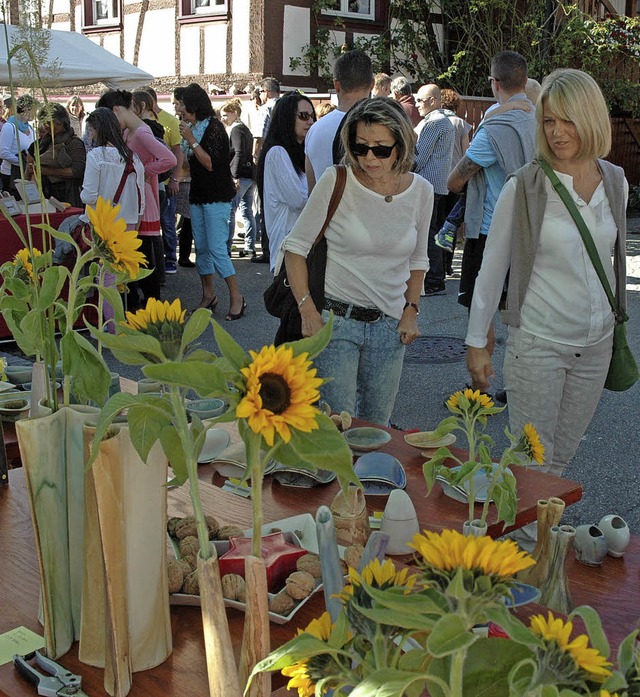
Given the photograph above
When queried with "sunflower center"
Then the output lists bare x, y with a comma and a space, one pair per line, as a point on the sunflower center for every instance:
274, 392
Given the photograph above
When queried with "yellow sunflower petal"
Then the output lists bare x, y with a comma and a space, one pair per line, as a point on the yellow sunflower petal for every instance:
532, 444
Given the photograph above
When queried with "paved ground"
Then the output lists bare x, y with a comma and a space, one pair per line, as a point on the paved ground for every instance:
607, 460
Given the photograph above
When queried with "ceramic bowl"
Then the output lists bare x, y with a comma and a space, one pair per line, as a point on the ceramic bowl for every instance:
380, 474
146, 385
205, 408
366, 438
26, 386
14, 407
429, 440
301, 477
18, 374
616, 532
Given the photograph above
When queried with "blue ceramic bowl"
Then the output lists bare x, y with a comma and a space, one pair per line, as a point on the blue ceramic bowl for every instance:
18, 374
380, 473
206, 408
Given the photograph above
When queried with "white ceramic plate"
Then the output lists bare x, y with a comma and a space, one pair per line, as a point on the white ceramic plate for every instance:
216, 440
481, 484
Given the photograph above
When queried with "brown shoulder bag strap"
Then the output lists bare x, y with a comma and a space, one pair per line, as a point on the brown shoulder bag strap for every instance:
334, 201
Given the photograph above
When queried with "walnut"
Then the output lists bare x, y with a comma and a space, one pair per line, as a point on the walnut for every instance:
172, 524
346, 419
186, 528
353, 555
189, 546
282, 603
300, 585
212, 526
176, 573
233, 585
227, 531
311, 564
191, 560
186, 565
191, 585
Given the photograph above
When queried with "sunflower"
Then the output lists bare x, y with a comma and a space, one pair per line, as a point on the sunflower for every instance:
23, 260
588, 659
475, 398
450, 550
302, 673
157, 312
114, 242
382, 575
280, 392
606, 693
532, 445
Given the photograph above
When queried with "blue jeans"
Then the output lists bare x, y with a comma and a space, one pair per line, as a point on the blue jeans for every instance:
168, 224
364, 360
243, 200
210, 227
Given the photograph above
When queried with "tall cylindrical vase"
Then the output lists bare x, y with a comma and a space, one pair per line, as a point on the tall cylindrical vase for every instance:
549, 513
554, 592
125, 583
52, 455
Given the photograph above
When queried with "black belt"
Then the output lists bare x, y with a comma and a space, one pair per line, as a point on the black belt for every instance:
360, 314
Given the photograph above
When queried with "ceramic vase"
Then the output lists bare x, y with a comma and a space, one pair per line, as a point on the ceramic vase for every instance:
554, 592
332, 574
126, 623
52, 453
400, 522
474, 528
590, 545
549, 513
617, 534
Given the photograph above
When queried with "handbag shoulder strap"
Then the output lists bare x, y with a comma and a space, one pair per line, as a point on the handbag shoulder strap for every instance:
584, 233
334, 201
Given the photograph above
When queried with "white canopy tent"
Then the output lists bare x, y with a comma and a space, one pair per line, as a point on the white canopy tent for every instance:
79, 61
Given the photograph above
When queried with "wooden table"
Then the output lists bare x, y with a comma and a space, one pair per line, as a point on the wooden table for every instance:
614, 590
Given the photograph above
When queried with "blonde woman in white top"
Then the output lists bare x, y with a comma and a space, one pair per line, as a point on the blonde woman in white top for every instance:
15, 137
376, 261
560, 322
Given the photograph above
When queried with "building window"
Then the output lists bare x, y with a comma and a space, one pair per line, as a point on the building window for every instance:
101, 13
356, 9
204, 7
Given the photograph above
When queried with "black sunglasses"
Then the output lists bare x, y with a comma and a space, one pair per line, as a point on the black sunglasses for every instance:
382, 152
304, 115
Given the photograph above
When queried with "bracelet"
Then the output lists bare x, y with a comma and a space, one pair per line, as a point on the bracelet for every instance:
304, 299
173, 179
195, 145
413, 305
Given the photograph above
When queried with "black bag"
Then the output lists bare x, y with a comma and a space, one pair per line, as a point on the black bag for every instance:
278, 298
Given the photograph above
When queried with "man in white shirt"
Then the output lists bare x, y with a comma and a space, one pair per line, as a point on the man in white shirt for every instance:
353, 81
269, 93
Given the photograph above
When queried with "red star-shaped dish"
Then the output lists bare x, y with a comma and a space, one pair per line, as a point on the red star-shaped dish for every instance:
279, 555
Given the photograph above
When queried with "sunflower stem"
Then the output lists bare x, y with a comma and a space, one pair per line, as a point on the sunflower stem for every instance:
188, 448
456, 678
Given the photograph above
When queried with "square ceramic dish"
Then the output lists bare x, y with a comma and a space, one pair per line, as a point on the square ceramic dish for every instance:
380, 473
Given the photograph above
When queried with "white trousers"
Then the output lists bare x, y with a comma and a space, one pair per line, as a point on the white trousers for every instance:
556, 387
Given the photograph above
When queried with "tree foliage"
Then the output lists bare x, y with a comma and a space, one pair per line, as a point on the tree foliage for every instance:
451, 42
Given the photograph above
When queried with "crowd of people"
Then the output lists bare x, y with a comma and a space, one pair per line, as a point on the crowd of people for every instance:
417, 175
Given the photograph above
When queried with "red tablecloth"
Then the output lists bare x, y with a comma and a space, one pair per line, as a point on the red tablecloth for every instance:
11, 242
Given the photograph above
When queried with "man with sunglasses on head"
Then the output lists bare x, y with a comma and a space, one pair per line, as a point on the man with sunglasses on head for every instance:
434, 150
353, 80
501, 145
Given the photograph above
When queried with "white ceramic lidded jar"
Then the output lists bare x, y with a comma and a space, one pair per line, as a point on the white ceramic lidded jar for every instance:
400, 522
617, 533
590, 545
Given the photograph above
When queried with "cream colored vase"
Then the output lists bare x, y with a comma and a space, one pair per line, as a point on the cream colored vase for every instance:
125, 582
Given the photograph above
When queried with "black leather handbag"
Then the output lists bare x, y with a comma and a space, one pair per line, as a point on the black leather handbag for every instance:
278, 298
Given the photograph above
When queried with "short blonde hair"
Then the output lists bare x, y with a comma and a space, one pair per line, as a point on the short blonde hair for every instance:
234, 105
381, 111
575, 96
324, 108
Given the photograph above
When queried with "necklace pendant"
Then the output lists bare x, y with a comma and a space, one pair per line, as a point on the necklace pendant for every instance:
388, 198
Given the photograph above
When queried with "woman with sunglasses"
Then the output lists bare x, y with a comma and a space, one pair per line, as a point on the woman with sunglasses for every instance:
281, 180
376, 260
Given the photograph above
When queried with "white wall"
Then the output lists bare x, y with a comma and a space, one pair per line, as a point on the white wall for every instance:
190, 49
215, 51
240, 37
296, 35
157, 56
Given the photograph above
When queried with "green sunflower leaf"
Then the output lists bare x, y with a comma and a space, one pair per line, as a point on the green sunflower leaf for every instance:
172, 446
387, 682
194, 328
593, 624
206, 379
313, 345
449, 634
119, 401
230, 349
91, 377
147, 418
140, 343
111, 295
